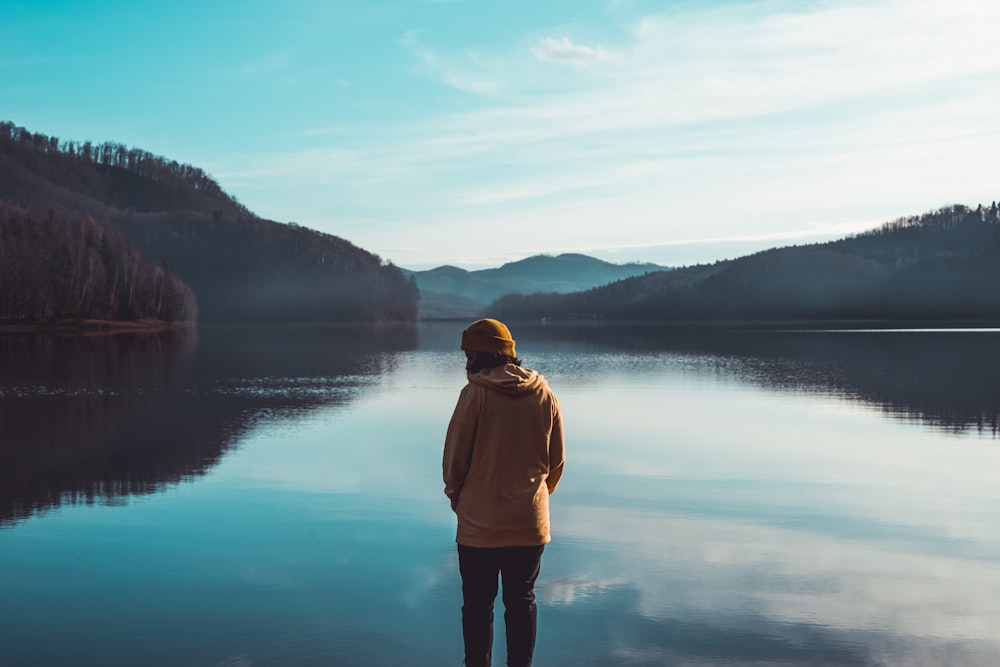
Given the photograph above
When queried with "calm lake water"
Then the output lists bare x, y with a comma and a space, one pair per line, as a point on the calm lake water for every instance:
273, 496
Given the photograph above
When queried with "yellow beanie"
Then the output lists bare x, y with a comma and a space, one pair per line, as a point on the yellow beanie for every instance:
490, 336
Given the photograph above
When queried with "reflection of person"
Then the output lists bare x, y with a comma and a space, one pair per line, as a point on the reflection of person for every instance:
503, 456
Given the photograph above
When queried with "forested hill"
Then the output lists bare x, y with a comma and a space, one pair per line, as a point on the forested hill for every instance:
241, 268
939, 266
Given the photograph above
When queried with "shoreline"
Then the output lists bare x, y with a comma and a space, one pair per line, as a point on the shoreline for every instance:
84, 326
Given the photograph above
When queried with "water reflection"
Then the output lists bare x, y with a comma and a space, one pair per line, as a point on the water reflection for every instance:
708, 591
730, 499
945, 379
98, 418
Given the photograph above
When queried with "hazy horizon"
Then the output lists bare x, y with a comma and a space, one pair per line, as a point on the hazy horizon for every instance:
685, 253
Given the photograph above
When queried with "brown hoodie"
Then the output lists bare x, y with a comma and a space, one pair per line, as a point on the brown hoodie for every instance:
503, 456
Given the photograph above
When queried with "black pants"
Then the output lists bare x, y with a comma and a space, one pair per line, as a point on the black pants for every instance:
518, 567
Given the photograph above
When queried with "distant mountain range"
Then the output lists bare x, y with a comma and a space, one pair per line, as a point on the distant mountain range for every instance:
448, 291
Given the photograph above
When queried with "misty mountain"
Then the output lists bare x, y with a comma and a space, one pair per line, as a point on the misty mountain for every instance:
940, 266
241, 268
448, 291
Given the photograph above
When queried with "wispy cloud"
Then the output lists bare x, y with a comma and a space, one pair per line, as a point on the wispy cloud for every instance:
562, 50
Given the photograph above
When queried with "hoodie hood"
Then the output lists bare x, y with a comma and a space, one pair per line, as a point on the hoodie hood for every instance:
509, 379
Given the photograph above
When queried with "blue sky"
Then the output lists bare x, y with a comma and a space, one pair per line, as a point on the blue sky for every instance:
473, 133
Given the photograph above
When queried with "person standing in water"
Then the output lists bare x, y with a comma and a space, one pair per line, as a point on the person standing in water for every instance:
503, 456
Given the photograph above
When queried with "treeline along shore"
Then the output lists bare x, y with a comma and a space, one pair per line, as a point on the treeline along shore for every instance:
57, 271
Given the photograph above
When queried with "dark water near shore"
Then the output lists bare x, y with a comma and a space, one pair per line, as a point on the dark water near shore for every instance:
272, 496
